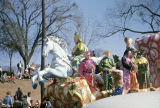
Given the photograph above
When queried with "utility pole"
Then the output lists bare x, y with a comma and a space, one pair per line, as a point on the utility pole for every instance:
43, 37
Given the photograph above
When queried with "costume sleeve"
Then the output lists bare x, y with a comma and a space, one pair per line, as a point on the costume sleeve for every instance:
74, 49
100, 66
83, 47
142, 60
81, 68
127, 66
113, 63
94, 65
145, 60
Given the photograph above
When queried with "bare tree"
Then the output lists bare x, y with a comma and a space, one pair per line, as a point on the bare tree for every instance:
9, 48
10, 53
88, 31
22, 24
127, 14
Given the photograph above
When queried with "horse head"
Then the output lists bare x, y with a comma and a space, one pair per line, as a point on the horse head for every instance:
54, 45
47, 46
62, 43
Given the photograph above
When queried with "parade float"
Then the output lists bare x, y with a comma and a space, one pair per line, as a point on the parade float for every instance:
151, 46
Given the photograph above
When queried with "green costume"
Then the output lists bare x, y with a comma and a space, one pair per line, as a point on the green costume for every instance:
143, 72
109, 64
78, 51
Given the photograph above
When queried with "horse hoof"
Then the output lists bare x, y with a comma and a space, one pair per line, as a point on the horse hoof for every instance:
34, 85
41, 82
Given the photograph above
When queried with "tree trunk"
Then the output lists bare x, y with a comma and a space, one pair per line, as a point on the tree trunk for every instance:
10, 52
43, 36
10, 68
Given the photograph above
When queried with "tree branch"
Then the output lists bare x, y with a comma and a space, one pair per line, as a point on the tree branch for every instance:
141, 32
153, 13
138, 6
110, 33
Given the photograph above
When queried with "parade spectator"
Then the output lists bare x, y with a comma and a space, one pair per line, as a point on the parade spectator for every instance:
0, 71
4, 77
33, 69
26, 70
20, 66
29, 69
7, 101
29, 99
37, 104
93, 52
24, 101
19, 94
48, 66
27, 74
17, 103
107, 65
78, 51
48, 103
32, 105
11, 78
87, 69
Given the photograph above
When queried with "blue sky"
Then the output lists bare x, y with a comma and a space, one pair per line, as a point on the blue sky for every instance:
94, 10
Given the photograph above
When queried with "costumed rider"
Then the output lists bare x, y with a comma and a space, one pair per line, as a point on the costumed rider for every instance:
126, 66
143, 70
87, 69
106, 66
133, 71
78, 51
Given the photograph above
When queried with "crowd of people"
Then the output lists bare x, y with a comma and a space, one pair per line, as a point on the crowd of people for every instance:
29, 71
21, 100
6, 76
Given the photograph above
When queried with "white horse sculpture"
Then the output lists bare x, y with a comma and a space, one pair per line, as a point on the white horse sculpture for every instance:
59, 68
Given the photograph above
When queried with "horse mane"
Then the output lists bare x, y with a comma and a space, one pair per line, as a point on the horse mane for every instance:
59, 41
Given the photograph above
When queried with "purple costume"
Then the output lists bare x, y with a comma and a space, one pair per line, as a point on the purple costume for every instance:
126, 67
